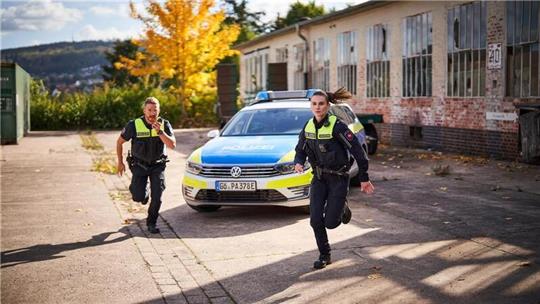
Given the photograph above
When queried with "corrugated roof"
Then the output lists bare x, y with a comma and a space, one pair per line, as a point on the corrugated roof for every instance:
321, 19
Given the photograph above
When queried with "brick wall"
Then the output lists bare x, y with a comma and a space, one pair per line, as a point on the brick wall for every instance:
451, 124
468, 141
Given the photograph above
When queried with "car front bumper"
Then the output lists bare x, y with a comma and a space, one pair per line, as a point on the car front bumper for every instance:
290, 190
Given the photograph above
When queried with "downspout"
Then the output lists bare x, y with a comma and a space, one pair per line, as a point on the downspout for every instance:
306, 61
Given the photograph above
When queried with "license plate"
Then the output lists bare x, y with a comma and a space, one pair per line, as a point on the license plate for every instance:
236, 186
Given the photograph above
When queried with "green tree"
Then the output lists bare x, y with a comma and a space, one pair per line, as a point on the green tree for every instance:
121, 76
250, 22
297, 11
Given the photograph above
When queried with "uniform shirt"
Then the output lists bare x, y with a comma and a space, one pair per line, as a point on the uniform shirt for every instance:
346, 137
129, 131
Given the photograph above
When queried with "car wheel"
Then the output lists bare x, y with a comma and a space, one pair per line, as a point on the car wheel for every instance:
205, 208
372, 138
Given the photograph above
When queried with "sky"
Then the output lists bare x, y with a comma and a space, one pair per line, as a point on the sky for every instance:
34, 22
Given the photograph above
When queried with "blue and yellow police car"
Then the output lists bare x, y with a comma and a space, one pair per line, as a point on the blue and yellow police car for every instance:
250, 161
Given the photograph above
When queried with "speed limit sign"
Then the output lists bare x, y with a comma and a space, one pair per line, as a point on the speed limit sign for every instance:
494, 56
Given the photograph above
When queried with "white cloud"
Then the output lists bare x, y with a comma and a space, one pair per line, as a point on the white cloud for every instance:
89, 32
38, 15
121, 10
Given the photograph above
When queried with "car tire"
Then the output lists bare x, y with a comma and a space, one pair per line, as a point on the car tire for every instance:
373, 140
205, 208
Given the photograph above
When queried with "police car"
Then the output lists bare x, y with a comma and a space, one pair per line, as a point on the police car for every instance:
250, 161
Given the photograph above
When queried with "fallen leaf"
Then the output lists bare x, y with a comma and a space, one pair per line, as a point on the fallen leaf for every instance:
369, 220
524, 264
374, 276
446, 223
428, 174
443, 188
435, 204
78, 210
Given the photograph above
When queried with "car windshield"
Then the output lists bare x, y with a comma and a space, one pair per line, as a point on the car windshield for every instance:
282, 121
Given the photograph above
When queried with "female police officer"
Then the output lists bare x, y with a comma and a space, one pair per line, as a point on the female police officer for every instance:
325, 141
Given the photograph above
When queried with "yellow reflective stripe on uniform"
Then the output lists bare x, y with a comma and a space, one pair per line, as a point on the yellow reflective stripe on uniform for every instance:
325, 132
195, 183
356, 127
300, 180
287, 158
195, 157
142, 131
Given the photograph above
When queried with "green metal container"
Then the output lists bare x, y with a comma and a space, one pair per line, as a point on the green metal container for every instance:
14, 102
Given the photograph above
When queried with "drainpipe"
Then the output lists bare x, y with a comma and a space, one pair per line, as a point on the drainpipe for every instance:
306, 61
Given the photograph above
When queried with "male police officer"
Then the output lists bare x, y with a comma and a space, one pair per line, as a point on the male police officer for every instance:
149, 134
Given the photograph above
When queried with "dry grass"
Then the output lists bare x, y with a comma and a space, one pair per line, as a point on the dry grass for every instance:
104, 164
90, 142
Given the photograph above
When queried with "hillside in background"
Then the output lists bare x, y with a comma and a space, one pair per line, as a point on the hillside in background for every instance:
64, 65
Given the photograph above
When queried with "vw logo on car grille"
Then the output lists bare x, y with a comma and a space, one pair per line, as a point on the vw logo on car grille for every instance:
236, 171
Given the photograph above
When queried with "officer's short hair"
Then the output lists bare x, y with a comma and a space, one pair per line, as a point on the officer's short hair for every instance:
151, 100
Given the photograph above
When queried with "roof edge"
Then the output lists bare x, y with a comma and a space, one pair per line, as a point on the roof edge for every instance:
321, 19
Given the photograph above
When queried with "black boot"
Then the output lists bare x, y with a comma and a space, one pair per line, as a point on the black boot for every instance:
347, 214
153, 229
324, 259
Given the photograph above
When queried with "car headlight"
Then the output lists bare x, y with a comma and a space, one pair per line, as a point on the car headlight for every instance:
285, 168
193, 168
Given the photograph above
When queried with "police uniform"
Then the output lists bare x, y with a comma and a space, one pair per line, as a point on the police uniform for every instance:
149, 157
328, 145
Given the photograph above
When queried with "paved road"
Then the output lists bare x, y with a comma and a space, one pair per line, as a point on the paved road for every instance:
469, 237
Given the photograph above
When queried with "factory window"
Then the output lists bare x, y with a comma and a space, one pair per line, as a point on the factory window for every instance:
378, 63
466, 68
522, 72
347, 59
321, 64
416, 52
299, 81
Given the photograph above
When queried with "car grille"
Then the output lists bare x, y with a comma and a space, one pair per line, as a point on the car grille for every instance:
240, 196
300, 191
247, 171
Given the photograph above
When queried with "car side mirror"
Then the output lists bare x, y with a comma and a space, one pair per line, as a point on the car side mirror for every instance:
212, 134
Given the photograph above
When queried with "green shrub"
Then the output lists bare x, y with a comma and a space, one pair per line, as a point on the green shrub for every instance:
113, 107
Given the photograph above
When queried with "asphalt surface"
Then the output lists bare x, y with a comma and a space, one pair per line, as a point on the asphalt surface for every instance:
70, 235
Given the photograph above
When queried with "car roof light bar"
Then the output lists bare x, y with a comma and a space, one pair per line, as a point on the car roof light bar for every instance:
278, 95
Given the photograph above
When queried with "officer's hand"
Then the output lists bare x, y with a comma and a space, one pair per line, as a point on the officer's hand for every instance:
120, 168
156, 126
367, 187
298, 168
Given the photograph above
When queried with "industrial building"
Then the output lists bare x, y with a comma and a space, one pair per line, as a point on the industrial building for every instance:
450, 75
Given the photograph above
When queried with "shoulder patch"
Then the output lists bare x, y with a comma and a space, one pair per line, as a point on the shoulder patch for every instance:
349, 135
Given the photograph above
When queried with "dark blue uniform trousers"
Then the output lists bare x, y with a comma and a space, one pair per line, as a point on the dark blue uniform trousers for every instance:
139, 187
327, 199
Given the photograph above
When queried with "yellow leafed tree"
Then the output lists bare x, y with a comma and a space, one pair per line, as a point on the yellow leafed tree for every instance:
182, 43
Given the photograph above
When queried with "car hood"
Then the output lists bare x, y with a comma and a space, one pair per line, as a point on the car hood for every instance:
237, 150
